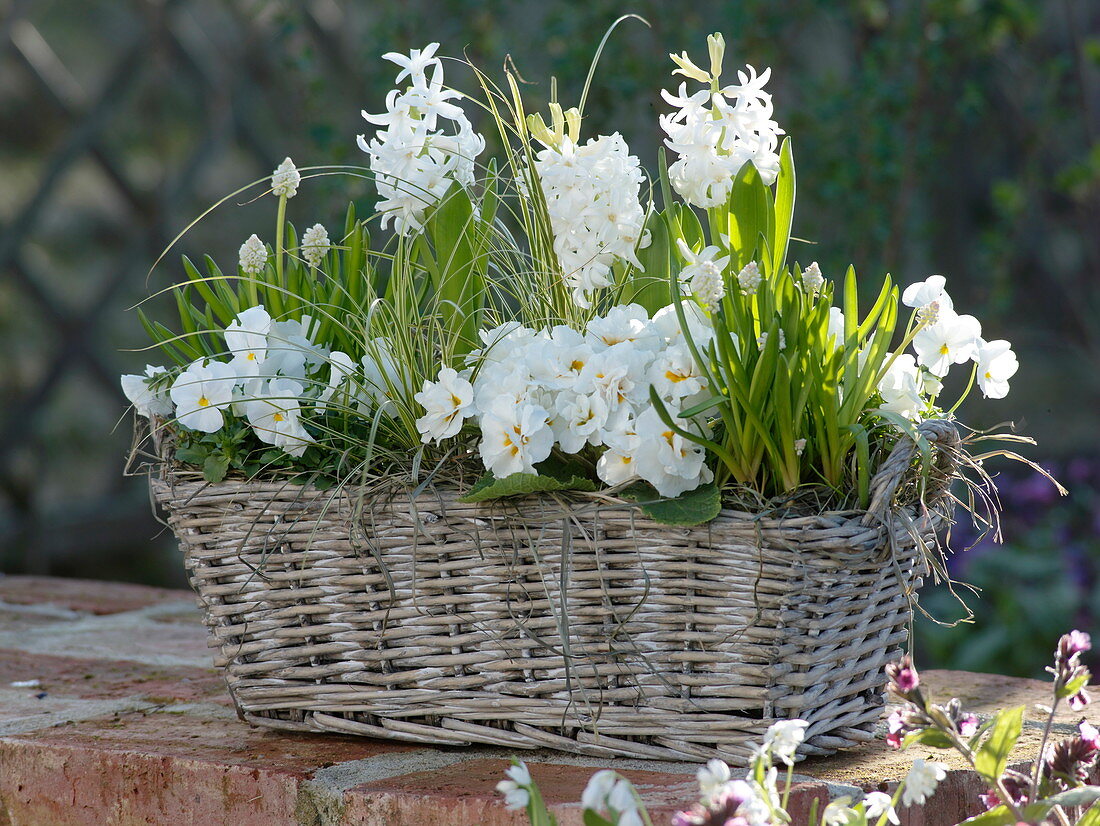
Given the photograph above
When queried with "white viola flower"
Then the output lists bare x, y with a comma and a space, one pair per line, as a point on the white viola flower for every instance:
667, 460
836, 326
146, 401
447, 403
253, 255
341, 366
749, 278
592, 196
285, 179
675, 374
927, 292
246, 340
953, 339
900, 388
712, 778
383, 378
616, 464
291, 350
578, 420
201, 392
274, 413
812, 279
514, 438
921, 782
315, 245
877, 804
784, 738
996, 365
629, 322
594, 796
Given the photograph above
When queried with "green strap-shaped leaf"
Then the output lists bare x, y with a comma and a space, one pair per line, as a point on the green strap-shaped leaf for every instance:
784, 205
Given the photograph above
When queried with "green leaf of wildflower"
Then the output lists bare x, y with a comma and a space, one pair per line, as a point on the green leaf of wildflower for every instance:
522, 484
691, 508
215, 467
998, 816
191, 455
593, 819
992, 757
1091, 817
929, 737
1073, 686
1081, 796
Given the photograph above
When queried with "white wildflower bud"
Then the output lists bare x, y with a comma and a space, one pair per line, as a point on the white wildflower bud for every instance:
315, 245
799, 446
929, 315
285, 179
253, 255
812, 279
749, 278
707, 285
762, 341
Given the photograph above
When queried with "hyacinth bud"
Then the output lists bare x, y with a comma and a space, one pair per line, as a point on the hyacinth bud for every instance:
749, 278
812, 279
285, 179
716, 46
928, 315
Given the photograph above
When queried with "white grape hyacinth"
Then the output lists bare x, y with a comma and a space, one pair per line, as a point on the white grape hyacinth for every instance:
315, 245
252, 256
147, 402
448, 402
812, 279
201, 393
749, 278
285, 179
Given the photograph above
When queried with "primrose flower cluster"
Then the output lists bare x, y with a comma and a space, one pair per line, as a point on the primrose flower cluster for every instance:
530, 391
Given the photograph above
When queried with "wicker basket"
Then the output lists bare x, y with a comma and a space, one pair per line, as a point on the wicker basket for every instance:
585, 628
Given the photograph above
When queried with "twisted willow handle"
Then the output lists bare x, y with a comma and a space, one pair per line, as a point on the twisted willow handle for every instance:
944, 438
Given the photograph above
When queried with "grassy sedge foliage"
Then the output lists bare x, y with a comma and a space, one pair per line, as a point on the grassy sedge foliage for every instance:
553, 319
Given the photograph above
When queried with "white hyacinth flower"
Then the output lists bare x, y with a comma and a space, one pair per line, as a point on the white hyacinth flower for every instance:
447, 403
839, 813
799, 447
996, 365
953, 339
784, 738
146, 401
877, 804
712, 778
749, 278
285, 179
315, 245
921, 782
253, 255
514, 438
812, 279
201, 392
274, 413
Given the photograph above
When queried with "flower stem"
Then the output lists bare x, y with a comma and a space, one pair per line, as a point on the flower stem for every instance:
966, 392
279, 241
1042, 747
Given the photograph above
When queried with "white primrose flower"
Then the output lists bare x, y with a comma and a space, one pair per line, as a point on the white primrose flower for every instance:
921, 782
784, 738
926, 293
514, 438
618, 374
675, 375
667, 460
201, 392
953, 339
274, 413
749, 278
877, 804
146, 401
592, 198
246, 340
712, 778
341, 367
578, 420
996, 365
253, 255
812, 279
900, 388
622, 323
447, 402
285, 179
502, 342
616, 464
666, 323
315, 245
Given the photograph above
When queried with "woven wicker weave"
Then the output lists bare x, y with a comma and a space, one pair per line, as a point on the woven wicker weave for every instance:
525, 624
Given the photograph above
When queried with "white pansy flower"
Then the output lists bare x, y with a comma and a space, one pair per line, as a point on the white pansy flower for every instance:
996, 365
253, 255
341, 367
201, 392
921, 782
315, 245
749, 278
285, 179
784, 737
927, 292
953, 339
514, 438
146, 401
667, 460
246, 340
383, 378
712, 778
900, 388
812, 279
274, 413
877, 804
447, 403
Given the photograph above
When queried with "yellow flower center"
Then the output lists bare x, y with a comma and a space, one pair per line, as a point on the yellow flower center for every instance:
944, 350
988, 375
204, 402
251, 357
278, 417
577, 365
674, 377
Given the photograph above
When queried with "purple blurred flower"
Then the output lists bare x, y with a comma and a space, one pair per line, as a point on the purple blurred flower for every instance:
1075, 642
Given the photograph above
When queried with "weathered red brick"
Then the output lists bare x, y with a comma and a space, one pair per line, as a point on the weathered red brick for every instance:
87, 595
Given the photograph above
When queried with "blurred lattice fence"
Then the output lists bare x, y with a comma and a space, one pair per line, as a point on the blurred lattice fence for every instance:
954, 135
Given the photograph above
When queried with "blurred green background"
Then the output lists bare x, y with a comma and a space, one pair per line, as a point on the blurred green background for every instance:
951, 136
